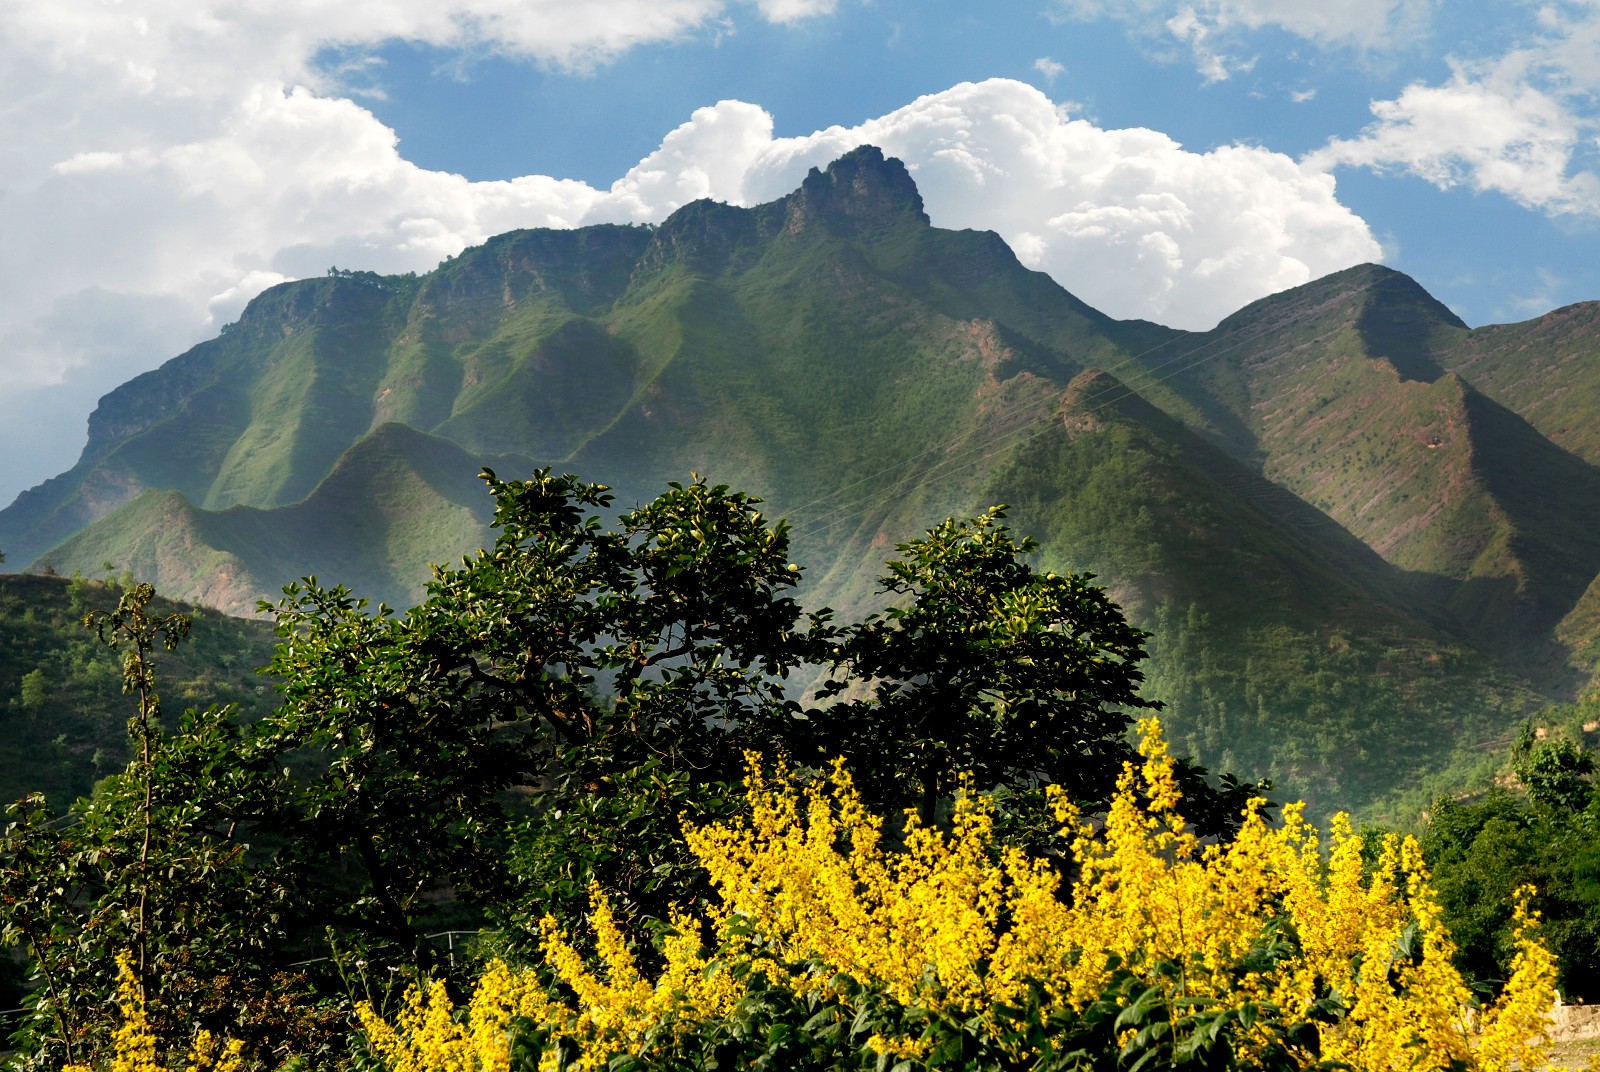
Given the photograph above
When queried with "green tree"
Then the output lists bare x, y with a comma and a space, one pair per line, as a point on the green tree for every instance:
1555, 773
1547, 835
35, 690
571, 690
986, 666
156, 864
132, 624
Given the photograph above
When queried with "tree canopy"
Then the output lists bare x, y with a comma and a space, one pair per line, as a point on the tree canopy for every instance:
547, 720
984, 665
1538, 830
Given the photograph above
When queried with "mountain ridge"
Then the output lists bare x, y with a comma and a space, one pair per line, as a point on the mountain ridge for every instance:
1319, 477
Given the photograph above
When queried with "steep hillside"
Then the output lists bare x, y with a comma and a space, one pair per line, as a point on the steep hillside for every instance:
1335, 394
1580, 631
1546, 370
1121, 486
63, 714
1284, 645
257, 416
396, 499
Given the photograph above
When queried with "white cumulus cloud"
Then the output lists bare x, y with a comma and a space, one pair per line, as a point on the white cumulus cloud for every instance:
1513, 139
1522, 124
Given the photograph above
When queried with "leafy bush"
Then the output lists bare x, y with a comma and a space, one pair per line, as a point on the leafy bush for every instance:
1543, 832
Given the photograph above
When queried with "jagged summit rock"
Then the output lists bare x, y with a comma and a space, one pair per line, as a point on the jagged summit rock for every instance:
862, 189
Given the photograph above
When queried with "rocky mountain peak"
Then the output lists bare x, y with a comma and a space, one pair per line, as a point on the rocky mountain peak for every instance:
863, 189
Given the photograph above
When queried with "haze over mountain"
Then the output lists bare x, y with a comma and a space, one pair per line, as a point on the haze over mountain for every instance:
1362, 532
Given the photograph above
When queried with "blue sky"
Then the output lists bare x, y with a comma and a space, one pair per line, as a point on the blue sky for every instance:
161, 161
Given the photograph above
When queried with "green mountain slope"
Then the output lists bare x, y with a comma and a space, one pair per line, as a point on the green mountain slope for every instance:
256, 416
1546, 370
1284, 645
1335, 394
395, 499
1580, 629
1341, 540
63, 714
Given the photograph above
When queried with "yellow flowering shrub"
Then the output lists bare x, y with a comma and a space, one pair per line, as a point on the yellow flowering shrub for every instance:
427, 1036
1290, 951
615, 1010
135, 1048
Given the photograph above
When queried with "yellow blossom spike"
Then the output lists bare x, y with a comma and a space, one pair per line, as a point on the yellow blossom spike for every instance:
962, 928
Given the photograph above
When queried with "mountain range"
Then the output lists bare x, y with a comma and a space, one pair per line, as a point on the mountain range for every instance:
1366, 537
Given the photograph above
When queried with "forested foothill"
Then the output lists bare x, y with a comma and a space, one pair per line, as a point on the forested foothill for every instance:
609, 797
61, 702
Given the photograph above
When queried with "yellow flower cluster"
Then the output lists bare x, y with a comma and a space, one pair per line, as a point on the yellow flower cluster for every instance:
429, 1038
134, 1047
962, 927
616, 1010
811, 874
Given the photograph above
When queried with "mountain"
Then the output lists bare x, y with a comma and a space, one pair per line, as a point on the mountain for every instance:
724, 340
1359, 533
395, 500
1337, 392
63, 712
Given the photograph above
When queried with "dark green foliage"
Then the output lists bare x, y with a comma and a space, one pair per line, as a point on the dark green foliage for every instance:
571, 690
987, 667
1132, 1026
1548, 835
132, 625
155, 866
62, 711
1554, 774
1331, 716
601, 821
574, 690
